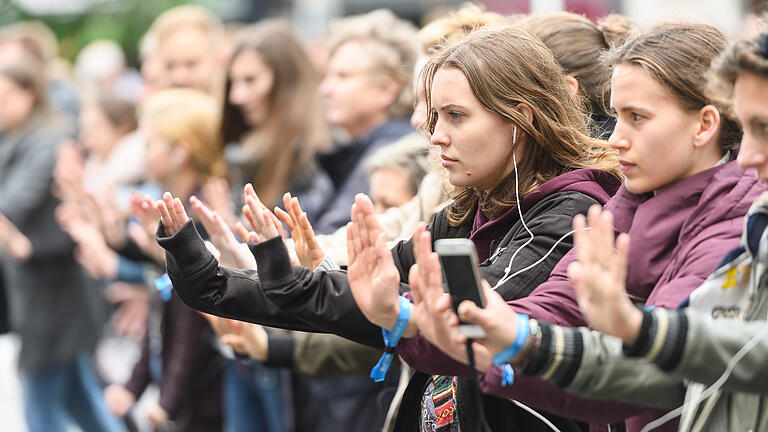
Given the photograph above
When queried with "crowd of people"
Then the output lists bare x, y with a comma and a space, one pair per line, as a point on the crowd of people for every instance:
247, 223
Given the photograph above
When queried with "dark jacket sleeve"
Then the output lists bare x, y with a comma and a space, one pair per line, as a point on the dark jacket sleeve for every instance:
240, 294
187, 352
230, 293
140, 376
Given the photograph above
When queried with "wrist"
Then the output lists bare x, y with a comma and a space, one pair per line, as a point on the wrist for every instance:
630, 327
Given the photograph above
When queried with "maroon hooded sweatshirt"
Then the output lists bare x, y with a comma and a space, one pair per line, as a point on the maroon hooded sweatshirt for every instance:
678, 237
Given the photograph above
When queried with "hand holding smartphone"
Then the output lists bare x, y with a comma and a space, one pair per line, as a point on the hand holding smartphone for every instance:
462, 278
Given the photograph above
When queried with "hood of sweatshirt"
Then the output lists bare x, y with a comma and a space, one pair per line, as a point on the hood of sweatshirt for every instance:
595, 183
710, 203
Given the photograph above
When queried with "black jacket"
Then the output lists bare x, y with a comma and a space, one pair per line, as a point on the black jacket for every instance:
292, 297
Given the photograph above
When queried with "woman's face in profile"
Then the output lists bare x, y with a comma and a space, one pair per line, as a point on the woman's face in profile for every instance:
17, 104
251, 82
475, 143
750, 93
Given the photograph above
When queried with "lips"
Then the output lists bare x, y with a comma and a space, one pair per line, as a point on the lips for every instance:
448, 162
626, 166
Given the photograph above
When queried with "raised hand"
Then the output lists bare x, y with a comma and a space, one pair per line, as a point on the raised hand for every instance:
599, 276
233, 253
13, 241
172, 213
266, 224
247, 338
373, 276
68, 171
216, 195
308, 250
432, 309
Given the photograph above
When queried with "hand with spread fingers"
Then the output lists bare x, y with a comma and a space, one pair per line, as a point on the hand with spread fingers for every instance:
599, 276
233, 253
373, 277
263, 221
308, 250
432, 309
172, 214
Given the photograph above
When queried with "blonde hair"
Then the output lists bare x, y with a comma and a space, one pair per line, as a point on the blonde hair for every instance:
506, 66
190, 117
36, 38
392, 49
468, 18
579, 45
185, 16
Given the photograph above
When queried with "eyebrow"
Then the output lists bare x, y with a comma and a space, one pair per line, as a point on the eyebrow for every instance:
631, 108
758, 119
451, 106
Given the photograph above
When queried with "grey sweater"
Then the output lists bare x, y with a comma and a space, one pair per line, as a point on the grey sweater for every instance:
53, 306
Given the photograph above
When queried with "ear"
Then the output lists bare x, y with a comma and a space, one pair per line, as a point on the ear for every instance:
573, 83
526, 111
709, 125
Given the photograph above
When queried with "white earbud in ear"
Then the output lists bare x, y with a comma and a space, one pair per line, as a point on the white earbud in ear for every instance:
514, 135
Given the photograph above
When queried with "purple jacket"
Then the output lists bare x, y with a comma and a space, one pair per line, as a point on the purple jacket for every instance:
678, 237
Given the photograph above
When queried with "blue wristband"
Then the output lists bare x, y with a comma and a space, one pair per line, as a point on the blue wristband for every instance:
164, 285
507, 375
511, 351
391, 338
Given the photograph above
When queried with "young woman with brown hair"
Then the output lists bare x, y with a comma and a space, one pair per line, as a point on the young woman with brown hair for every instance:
272, 123
682, 202
496, 114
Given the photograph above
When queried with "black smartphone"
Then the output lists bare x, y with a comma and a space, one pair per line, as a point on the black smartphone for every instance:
461, 276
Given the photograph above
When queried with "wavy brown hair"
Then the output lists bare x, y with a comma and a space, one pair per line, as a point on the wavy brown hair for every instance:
506, 66
294, 129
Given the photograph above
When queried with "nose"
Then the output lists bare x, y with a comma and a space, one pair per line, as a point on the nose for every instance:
439, 137
236, 94
617, 140
326, 86
752, 154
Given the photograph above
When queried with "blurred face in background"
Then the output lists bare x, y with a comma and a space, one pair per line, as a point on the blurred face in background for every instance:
390, 187
357, 97
161, 158
750, 93
188, 58
97, 134
419, 115
17, 104
251, 82
153, 75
